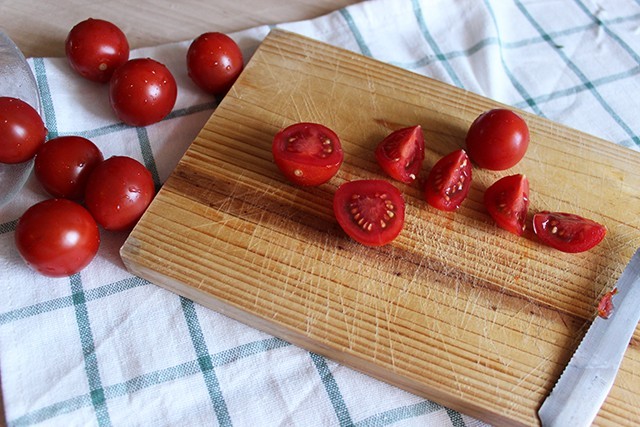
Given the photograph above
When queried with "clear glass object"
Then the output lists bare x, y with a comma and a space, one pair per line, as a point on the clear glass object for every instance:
16, 80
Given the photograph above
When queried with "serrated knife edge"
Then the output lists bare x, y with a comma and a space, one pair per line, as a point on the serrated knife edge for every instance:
586, 381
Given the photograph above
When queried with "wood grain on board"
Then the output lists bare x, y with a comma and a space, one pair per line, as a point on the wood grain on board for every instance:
455, 309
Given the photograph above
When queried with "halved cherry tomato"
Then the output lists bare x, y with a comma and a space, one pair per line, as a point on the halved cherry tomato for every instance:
401, 153
142, 91
214, 62
497, 139
64, 164
369, 211
57, 237
507, 201
567, 232
118, 192
95, 48
307, 154
22, 130
449, 181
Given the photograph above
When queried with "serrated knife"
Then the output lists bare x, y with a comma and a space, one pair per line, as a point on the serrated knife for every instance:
586, 381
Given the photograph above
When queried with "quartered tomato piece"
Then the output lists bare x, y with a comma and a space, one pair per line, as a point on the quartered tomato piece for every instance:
507, 201
369, 211
567, 232
449, 181
307, 153
401, 154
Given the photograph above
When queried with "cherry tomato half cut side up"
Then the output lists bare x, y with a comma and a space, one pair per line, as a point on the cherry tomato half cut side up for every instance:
307, 154
214, 62
370, 211
63, 165
22, 131
401, 153
497, 139
449, 181
118, 192
95, 48
567, 232
142, 92
57, 237
507, 201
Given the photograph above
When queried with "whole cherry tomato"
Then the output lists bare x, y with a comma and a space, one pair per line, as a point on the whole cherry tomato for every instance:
142, 91
95, 48
401, 153
64, 164
214, 62
497, 139
307, 154
57, 237
118, 192
22, 131
370, 211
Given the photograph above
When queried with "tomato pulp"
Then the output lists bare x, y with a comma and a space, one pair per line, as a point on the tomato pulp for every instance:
567, 232
401, 153
307, 154
507, 201
449, 181
369, 211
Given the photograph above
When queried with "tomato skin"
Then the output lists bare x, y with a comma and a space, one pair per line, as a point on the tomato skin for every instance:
142, 91
370, 211
507, 201
449, 181
63, 165
22, 130
567, 232
118, 192
307, 154
214, 62
497, 139
400, 154
57, 237
95, 48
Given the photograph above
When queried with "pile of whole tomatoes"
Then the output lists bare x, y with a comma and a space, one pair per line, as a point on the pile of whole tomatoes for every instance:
372, 211
60, 236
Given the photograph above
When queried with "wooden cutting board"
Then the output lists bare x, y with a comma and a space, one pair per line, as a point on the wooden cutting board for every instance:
455, 309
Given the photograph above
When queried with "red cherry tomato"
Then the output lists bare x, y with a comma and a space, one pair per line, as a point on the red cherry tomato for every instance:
64, 164
57, 237
449, 181
507, 201
95, 48
214, 62
567, 232
401, 153
369, 211
22, 131
142, 91
307, 154
118, 192
497, 139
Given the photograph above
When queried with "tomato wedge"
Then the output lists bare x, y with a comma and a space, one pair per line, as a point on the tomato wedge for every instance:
308, 154
401, 153
567, 232
369, 211
449, 181
507, 201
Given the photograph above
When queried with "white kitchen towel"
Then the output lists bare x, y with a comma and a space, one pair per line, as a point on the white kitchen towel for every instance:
106, 348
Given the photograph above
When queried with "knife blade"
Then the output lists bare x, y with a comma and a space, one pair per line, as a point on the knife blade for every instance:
586, 381
17, 81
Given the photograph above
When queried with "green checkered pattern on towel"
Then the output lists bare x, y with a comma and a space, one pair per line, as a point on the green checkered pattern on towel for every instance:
106, 348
